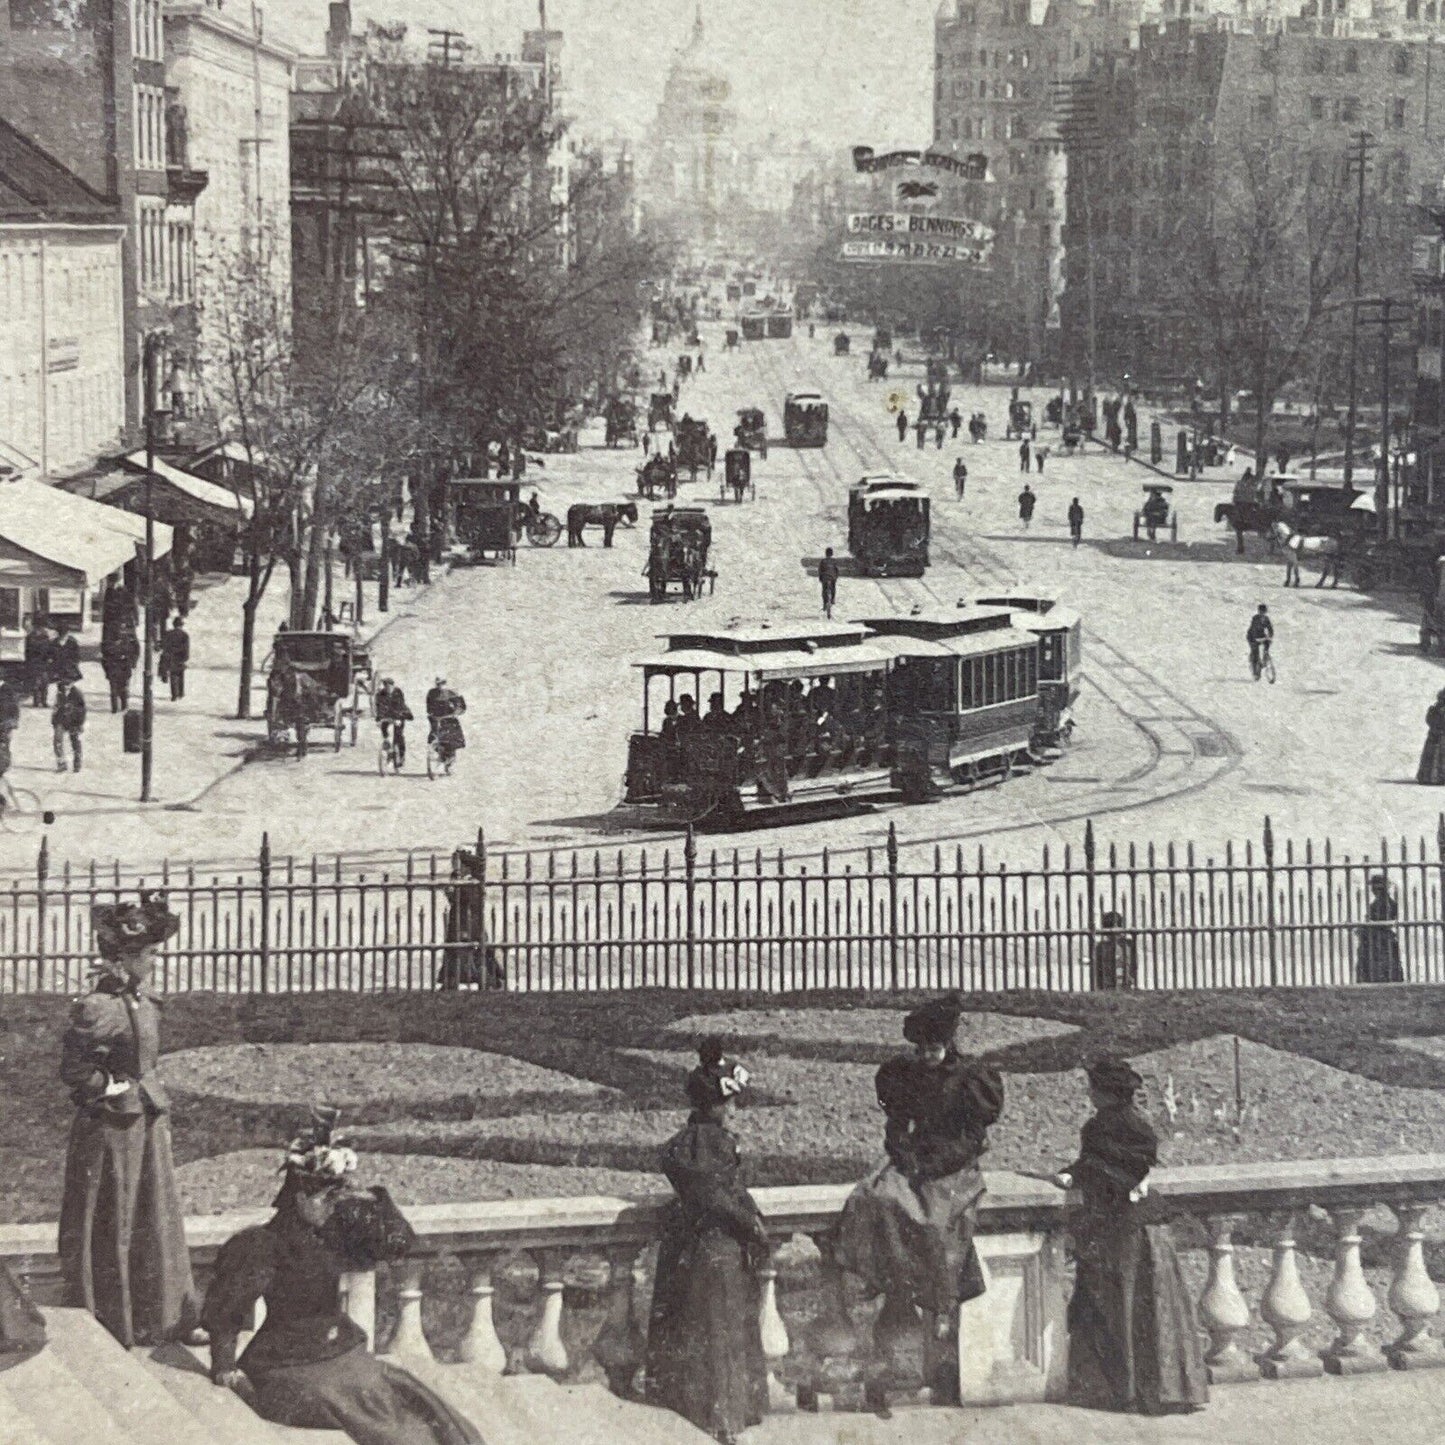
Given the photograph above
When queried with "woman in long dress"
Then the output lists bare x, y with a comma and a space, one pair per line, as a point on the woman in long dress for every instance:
704, 1345
123, 1252
1432, 755
308, 1365
1133, 1337
1379, 953
907, 1230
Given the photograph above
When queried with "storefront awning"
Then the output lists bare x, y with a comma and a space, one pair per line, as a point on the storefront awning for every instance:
48, 537
179, 496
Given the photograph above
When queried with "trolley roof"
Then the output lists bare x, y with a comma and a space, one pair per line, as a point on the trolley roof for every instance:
942, 622
886, 482
803, 650
805, 398
1034, 612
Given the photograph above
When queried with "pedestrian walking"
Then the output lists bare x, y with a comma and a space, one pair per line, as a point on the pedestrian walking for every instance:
175, 654
118, 657
646, 443
960, 477
1133, 1335
67, 720
1432, 757
1076, 521
1025, 455
39, 649
1378, 960
828, 579
123, 1252
1041, 455
919, 431
9, 719
938, 436
64, 656
902, 426
1027, 502
955, 420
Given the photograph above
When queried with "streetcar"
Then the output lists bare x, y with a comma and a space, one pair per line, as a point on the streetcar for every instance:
963, 695
1060, 632
805, 419
888, 526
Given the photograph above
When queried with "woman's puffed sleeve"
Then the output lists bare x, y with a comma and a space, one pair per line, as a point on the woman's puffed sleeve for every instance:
83, 1050
893, 1085
243, 1273
1119, 1149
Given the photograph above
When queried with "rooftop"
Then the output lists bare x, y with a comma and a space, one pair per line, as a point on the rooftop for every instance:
34, 186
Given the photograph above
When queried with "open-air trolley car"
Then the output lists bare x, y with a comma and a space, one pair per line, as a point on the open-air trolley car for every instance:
805, 419
888, 526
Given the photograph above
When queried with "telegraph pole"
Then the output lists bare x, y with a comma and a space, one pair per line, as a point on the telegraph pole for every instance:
444, 44
1079, 129
1384, 312
1358, 165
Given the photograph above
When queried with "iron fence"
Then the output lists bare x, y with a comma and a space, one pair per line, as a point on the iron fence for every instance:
1152, 917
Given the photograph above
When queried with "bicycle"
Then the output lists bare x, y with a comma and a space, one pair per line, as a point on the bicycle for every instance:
1261, 660
444, 741
389, 754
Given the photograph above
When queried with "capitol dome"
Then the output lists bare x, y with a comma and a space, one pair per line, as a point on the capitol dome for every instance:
697, 75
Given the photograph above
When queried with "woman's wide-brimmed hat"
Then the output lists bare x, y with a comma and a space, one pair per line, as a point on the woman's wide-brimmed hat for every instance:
934, 1022
1110, 1074
716, 1078
122, 930
319, 1158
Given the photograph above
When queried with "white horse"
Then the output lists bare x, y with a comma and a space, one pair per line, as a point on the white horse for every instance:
1328, 553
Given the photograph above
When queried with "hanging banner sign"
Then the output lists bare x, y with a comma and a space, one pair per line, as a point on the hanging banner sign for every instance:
902, 249
889, 236
969, 168
898, 223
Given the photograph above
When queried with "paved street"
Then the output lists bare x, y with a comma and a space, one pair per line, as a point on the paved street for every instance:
1174, 739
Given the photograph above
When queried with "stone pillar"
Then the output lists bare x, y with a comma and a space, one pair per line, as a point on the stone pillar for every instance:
1222, 1308
774, 1332
1350, 1302
409, 1342
1413, 1297
621, 1347
546, 1350
481, 1346
358, 1303
1286, 1309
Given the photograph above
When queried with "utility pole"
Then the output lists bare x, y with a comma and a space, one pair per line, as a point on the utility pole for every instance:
151, 381
1358, 165
444, 44
1384, 312
1078, 124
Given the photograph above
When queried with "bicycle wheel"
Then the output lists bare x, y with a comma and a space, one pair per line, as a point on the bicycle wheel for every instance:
1269, 667
381, 758
433, 760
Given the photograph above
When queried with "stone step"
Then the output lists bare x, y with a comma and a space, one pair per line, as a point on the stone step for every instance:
628, 1420
45, 1391
124, 1388
17, 1428
227, 1417
483, 1398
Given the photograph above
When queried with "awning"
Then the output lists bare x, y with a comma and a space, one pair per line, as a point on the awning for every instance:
43, 528
185, 497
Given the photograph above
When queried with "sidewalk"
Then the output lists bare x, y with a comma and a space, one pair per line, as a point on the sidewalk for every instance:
199, 740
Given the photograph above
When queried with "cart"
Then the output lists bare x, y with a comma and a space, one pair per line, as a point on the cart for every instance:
1156, 513
738, 476
317, 679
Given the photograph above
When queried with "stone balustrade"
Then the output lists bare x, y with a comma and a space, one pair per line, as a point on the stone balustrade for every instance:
588, 1276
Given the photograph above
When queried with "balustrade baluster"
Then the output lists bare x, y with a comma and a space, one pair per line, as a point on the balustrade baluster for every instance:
621, 1346
481, 1345
1413, 1297
358, 1303
1286, 1309
408, 1341
1222, 1308
1350, 1302
774, 1332
545, 1349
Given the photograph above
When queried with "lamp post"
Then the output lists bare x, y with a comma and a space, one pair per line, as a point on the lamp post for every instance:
153, 416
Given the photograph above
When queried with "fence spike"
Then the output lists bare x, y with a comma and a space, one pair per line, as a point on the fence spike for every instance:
42, 861
1089, 844
892, 845
1268, 839
1440, 835
689, 847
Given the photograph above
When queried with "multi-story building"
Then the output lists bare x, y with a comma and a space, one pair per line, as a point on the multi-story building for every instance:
87, 85
233, 85
1171, 126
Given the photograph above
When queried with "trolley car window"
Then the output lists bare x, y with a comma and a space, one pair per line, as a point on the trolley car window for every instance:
1050, 655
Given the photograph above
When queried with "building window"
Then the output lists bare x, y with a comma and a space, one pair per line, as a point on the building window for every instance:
1008, 90
1402, 62
968, 130
1023, 59
983, 90
1317, 107
953, 127
1351, 62
1347, 108
1263, 108
1397, 113
983, 57
1412, 9
147, 33
1318, 61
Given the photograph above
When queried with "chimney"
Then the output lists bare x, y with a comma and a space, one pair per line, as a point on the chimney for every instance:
338, 32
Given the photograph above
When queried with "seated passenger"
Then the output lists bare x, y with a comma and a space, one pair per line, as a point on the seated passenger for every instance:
717, 720
688, 721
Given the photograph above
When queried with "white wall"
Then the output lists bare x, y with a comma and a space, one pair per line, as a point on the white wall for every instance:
62, 389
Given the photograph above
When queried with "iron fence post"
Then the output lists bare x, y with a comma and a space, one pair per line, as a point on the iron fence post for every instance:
892, 854
689, 886
1440, 852
1269, 916
263, 869
42, 872
1090, 896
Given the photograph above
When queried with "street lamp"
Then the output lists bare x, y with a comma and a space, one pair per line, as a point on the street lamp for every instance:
154, 415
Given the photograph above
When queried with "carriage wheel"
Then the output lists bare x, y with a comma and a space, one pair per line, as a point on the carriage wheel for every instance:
544, 531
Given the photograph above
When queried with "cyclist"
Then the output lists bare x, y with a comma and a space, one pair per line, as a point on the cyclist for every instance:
392, 714
1259, 636
443, 713
960, 477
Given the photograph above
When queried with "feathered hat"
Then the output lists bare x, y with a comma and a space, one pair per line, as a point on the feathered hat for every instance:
1110, 1074
122, 930
319, 1157
934, 1022
716, 1078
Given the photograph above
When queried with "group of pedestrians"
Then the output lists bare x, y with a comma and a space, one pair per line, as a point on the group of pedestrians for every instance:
907, 1234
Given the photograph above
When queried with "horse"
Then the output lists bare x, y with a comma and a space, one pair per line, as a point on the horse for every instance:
1328, 552
1250, 516
598, 514
295, 701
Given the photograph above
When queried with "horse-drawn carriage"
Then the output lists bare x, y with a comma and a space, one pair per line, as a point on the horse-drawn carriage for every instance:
1156, 513
659, 410
695, 447
680, 542
731, 339
489, 517
878, 366
752, 431
1020, 420
621, 419
317, 680
684, 366
738, 476
842, 344
657, 476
